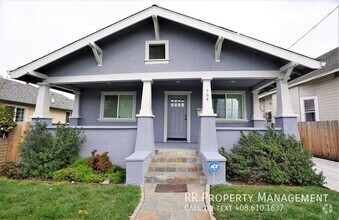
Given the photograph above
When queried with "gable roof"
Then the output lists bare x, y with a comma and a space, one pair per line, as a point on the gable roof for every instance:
332, 66
20, 92
176, 17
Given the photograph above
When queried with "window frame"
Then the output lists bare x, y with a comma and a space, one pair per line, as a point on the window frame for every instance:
302, 107
232, 92
157, 61
118, 93
15, 110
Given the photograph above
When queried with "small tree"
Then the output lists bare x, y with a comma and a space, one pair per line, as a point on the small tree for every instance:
7, 123
42, 153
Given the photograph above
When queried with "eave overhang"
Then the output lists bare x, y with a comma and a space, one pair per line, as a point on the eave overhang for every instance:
150, 12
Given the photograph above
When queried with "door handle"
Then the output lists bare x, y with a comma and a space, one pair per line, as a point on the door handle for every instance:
185, 117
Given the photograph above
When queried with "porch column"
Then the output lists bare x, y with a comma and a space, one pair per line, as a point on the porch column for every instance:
208, 137
74, 119
146, 100
145, 129
137, 163
258, 120
285, 117
42, 104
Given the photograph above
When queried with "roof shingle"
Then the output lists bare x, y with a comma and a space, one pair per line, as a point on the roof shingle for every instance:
21, 92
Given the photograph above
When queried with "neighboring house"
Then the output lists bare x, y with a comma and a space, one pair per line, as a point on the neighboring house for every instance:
314, 96
23, 97
160, 79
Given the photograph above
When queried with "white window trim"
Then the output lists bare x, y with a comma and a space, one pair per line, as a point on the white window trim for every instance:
157, 61
302, 107
188, 121
225, 92
19, 106
102, 104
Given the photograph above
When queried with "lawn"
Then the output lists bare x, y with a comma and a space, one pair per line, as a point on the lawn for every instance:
233, 202
27, 200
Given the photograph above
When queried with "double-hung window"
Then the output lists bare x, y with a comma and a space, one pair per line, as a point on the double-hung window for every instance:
229, 105
117, 106
309, 109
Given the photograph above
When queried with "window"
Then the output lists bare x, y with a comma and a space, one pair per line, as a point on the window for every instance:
229, 105
117, 106
309, 109
68, 114
156, 52
19, 114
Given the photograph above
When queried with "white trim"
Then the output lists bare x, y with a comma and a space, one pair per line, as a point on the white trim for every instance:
263, 84
188, 126
37, 74
161, 12
268, 74
156, 27
301, 82
287, 66
231, 121
118, 93
226, 92
217, 48
302, 107
97, 51
157, 61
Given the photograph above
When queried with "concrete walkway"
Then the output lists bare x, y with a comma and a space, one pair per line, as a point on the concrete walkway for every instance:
330, 170
173, 206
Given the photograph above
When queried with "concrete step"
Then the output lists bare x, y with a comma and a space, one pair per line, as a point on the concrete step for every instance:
168, 152
175, 178
175, 159
175, 167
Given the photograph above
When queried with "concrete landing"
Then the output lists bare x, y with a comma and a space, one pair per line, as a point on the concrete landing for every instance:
173, 206
330, 170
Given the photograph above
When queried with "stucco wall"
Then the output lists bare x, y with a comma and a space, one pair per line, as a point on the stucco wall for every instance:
119, 142
189, 50
90, 105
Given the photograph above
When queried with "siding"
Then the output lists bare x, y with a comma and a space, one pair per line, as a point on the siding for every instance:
294, 95
328, 99
326, 89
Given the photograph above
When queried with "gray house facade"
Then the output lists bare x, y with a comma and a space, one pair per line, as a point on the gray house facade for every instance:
160, 79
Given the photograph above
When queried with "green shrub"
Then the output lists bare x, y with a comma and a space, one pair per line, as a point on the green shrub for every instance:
42, 153
271, 158
82, 171
7, 123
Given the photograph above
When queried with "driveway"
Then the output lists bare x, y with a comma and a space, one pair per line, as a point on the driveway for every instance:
330, 170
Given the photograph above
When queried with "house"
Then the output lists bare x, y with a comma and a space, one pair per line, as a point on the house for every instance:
160, 79
22, 97
314, 96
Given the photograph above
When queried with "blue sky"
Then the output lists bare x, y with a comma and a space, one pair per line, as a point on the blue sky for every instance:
31, 29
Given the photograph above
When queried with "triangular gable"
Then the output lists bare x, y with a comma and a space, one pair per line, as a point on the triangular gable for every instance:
154, 10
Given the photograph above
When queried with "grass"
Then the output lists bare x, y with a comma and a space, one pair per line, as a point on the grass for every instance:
241, 209
28, 200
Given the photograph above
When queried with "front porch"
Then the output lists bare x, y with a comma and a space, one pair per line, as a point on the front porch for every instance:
187, 113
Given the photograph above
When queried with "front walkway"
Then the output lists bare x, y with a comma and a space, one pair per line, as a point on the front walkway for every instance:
330, 170
173, 206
